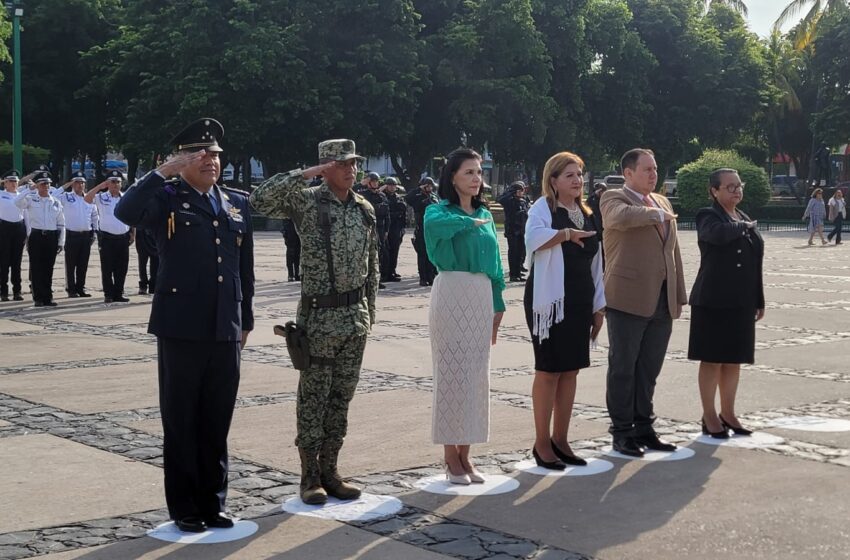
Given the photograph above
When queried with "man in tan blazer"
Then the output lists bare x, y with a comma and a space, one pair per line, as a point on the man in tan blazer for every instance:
645, 291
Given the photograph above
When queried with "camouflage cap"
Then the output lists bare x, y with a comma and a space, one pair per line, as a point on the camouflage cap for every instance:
338, 150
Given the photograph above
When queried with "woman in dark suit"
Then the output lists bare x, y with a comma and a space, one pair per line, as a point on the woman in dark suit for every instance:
726, 300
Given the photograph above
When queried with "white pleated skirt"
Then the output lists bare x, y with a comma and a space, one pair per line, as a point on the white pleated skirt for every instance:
461, 324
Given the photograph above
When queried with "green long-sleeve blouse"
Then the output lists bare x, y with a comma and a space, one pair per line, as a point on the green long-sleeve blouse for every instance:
454, 242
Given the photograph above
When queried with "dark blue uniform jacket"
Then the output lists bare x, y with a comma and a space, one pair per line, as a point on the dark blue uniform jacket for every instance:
205, 282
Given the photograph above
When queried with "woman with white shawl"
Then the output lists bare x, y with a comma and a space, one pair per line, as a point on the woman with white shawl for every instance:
564, 303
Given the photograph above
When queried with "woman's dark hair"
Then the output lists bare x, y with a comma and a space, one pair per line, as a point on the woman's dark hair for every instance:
453, 162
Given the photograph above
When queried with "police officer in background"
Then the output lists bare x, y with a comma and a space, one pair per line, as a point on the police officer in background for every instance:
201, 314
114, 239
378, 199
81, 223
46, 234
339, 266
398, 222
419, 200
293, 249
13, 236
516, 214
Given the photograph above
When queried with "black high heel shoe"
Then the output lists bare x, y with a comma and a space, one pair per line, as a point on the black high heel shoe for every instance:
555, 465
739, 431
724, 434
568, 459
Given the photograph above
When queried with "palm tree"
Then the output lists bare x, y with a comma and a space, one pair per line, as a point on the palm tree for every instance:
807, 27
737, 5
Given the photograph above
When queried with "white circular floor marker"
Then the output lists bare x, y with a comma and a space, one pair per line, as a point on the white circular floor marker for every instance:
366, 508
594, 466
493, 484
811, 424
169, 532
755, 441
652, 456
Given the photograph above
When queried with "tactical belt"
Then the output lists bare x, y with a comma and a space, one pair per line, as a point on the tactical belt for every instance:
44, 231
333, 300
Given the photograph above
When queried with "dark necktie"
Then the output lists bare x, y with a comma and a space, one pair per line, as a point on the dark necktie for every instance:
213, 202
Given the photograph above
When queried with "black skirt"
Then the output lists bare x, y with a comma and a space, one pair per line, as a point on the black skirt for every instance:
722, 336
568, 345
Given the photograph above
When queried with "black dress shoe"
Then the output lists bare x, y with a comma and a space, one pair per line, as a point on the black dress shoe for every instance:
50, 303
722, 434
219, 521
73, 294
651, 441
627, 446
396, 276
39, 304
423, 283
83, 294
191, 524
18, 297
568, 459
4, 298
739, 431
381, 286
555, 465
120, 299
143, 291
393, 279
107, 300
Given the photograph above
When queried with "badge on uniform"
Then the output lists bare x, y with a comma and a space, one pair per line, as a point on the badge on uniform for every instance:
234, 214
185, 205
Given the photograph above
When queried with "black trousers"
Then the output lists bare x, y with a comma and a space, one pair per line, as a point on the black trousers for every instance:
77, 253
41, 248
837, 224
293, 258
13, 236
427, 271
382, 231
114, 260
516, 254
198, 382
147, 282
637, 346
394, 239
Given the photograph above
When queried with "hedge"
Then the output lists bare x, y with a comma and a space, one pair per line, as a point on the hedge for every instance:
33, 157
692, 187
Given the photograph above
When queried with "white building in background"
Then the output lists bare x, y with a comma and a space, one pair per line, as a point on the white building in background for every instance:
257, 172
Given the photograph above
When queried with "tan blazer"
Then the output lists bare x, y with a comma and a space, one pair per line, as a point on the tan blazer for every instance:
637, 261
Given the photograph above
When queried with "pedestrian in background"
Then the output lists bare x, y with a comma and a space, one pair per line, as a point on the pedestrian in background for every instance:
114, 238
81, 223
837, 214
815, 214
292, 241
13, 237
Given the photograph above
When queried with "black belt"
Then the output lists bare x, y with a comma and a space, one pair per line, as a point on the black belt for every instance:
12, 223
333, 300
118, 235
72, 232
44, 231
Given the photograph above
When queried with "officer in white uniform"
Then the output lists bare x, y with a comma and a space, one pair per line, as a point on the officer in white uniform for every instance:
46, 233
81, 222
13, 236
114, 239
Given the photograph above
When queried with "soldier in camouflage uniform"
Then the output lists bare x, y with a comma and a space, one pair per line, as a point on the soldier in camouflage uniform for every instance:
337, 306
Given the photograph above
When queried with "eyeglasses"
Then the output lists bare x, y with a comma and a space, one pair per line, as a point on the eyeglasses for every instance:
735, 187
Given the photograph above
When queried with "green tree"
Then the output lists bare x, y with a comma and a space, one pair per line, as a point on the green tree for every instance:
806, 30
5, 34
832, 61
693, 180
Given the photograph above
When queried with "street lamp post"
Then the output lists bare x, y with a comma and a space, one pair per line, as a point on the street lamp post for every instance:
16, 10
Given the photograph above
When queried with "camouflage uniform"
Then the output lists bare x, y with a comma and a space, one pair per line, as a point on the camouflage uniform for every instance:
339, 333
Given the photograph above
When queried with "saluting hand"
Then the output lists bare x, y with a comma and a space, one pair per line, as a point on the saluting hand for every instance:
317, 170
480, 222
177, 163
576, 236
669, 216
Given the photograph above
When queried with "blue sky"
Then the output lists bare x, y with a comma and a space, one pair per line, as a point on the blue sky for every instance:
763, 13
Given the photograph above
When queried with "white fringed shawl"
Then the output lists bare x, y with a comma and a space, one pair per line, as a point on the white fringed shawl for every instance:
548, 303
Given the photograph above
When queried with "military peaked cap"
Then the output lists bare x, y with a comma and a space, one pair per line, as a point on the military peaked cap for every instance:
201, 134
42, 177
78, 176
12, 175
114, 174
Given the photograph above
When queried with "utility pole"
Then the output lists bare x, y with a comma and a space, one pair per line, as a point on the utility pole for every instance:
16, 11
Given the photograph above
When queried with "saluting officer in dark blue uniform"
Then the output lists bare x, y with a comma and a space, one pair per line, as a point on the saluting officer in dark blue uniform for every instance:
201, 315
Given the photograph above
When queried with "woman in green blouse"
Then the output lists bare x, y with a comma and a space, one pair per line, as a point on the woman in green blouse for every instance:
466, 309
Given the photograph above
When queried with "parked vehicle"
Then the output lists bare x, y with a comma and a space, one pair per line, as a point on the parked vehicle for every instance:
671, 187
783, 185
614, 181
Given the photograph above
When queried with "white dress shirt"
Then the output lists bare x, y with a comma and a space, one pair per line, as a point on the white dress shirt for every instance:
43, 213
8, 211
106, 203
79, 214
